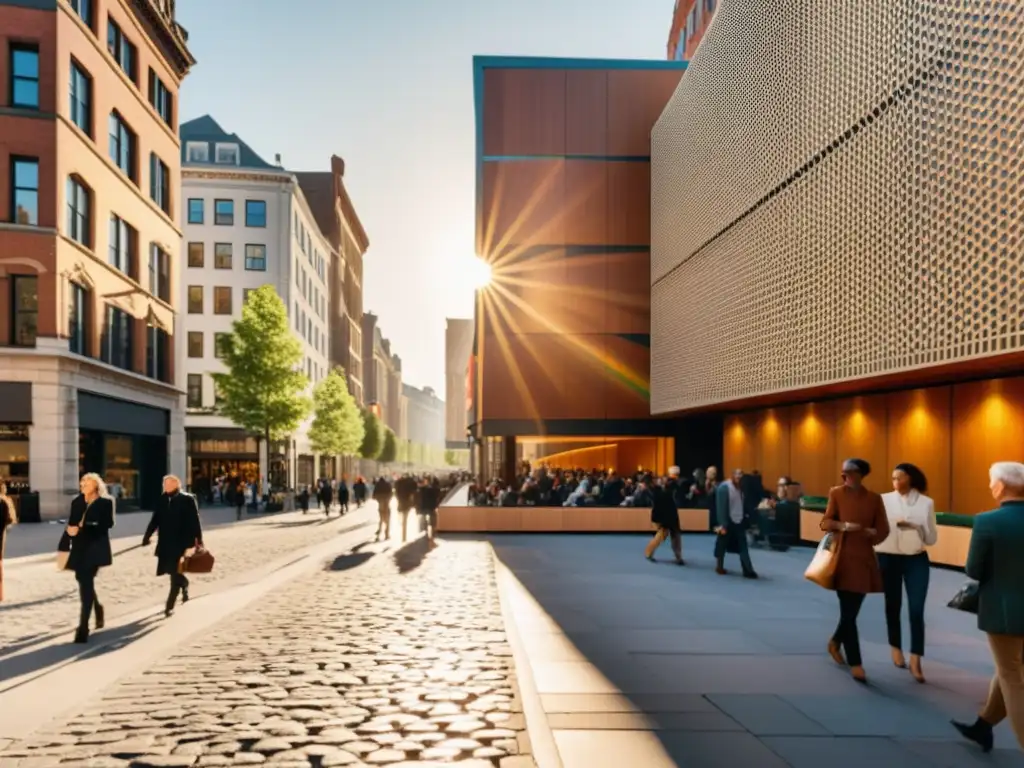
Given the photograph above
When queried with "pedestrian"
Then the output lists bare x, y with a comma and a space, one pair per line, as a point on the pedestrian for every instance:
664, 515
731, 524
359, 491
343, 495
858, 516
304, 499
382, 492
326, 497
429, 499
176, 523
239, 500
8, 517
87, 536
406, 489
994, 561
904, 561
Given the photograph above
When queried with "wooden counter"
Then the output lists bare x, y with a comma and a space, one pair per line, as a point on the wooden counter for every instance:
559, 520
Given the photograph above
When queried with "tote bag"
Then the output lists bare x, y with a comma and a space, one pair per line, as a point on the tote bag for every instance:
822, 570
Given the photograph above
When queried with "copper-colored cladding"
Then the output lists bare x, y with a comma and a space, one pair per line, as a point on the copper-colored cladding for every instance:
565, 224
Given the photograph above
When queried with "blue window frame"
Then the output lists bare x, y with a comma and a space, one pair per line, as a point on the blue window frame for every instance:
161, 99
84, 10
256, 213
24, 64
256, 258
25, 190
196, 210
160, 183
122, 49
80, 103
224, 213
79, 213
122, 146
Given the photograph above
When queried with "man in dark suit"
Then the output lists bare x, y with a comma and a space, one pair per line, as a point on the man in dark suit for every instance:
732, 525
176, 519
994, 560
664, 514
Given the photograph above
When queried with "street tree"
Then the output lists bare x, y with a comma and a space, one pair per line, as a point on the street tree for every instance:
264, 388
389, 452
337, 427
373, 436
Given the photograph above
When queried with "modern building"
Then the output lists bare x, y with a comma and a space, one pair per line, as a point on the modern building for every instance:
690, 20
458, 347
89, 248
836, 261
247, 224
336, 215
382, 374
561, 350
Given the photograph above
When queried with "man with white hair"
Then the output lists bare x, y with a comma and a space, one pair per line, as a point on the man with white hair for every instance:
995, 561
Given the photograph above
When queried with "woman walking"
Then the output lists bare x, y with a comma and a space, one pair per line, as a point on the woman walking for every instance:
176, 518
88, 536
8, 517
904, 561
858, 515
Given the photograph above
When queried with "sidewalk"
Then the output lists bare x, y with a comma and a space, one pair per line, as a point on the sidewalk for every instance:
679, 666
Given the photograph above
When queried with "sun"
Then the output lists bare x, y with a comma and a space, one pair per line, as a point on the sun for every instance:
479, 273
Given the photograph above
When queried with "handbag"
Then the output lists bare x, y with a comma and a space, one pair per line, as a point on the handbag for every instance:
822, 569
966, 598
200, 561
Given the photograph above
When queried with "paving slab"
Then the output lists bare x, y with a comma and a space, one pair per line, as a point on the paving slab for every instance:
677, 665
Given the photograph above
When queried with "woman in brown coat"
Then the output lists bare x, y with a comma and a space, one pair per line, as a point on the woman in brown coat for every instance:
858, 516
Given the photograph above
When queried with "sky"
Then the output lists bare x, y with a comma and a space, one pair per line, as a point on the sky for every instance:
388, 86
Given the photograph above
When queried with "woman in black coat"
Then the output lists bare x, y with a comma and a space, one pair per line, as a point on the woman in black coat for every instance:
88, 537
176, 518
8, 517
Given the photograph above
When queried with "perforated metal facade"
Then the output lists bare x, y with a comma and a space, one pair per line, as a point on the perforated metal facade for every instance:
836, 194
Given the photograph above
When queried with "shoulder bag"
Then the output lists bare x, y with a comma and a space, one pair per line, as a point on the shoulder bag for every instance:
822, 570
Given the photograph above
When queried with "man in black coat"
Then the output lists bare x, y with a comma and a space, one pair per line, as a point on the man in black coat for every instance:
176, 518
382, 495
665, 515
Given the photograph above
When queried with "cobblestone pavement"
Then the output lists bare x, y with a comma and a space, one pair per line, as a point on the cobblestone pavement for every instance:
383, 659
39, 600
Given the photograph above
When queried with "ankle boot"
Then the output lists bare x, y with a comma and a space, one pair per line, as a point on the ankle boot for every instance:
82, 635
980, 732
100, 617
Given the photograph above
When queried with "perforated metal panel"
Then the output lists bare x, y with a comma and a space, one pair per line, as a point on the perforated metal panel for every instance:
836, 193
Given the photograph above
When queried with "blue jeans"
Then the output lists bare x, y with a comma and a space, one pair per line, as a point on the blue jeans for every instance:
912, 572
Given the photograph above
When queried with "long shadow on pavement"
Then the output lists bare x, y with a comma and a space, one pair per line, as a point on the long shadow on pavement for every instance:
411, 556
654, 660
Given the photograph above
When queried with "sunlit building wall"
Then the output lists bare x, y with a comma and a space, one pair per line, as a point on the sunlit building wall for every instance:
563, 218
844, 252
690, 20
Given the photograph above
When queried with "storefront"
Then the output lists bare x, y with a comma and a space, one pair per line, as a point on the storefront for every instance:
15, 420
220, 455
125, 443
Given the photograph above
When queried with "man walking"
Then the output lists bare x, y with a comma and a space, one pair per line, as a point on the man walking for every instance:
382, 495
406, 490
664, 514
732, 525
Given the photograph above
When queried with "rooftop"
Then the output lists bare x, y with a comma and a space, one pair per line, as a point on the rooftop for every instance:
205, 143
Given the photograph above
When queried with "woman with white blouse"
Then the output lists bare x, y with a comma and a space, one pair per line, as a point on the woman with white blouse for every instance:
904, 561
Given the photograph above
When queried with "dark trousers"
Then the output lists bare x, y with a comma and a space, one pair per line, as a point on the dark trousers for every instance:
846, 635
86, 578
912, 571
179, 582
735, 537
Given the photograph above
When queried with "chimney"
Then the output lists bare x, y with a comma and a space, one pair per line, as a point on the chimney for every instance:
277, 159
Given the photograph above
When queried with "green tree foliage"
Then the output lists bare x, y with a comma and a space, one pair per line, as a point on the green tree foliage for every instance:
337, 427
389, 452
263, 390
373, 436
449, 458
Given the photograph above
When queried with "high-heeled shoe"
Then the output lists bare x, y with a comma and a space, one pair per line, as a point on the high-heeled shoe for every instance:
980, 732
82, 635
898, 659
836, 653
915, 668
101, 618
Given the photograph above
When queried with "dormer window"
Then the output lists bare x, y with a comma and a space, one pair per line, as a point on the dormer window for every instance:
197, 152
227, 154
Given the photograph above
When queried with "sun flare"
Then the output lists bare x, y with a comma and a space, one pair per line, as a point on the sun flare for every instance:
479, 273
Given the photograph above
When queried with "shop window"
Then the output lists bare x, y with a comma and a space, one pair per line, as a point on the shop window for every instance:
156, 353
24, 309
195, 343
14, 457
116, 344
194, 396
121, 474
159, 273
222, 253
197, 255
25, 190
222, 300
78, 319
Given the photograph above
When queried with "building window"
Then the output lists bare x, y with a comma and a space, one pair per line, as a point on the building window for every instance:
160, 183
117, 339
256, 258
81, 98
122, 146
24, 76
222, 255
122, 49
84, 10
161, 99
79, 221
195, 299
159, 273
246, 292
226, 154
224, 213
156, 353
221, 300
195, 343
78, 319
24, 309
25, 190
255, 213
196, 255
195, 390
197, 152
122, 244
220, 342
196, 210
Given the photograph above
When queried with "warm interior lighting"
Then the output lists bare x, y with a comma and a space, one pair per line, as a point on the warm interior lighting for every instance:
479, 273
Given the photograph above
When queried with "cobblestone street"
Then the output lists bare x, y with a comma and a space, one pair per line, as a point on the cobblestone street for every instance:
41, 600
382, 657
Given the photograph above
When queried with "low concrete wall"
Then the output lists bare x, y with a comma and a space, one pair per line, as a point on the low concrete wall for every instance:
457, 519
950, 549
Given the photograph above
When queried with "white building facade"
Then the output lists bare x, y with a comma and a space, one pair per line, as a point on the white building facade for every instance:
246, 224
